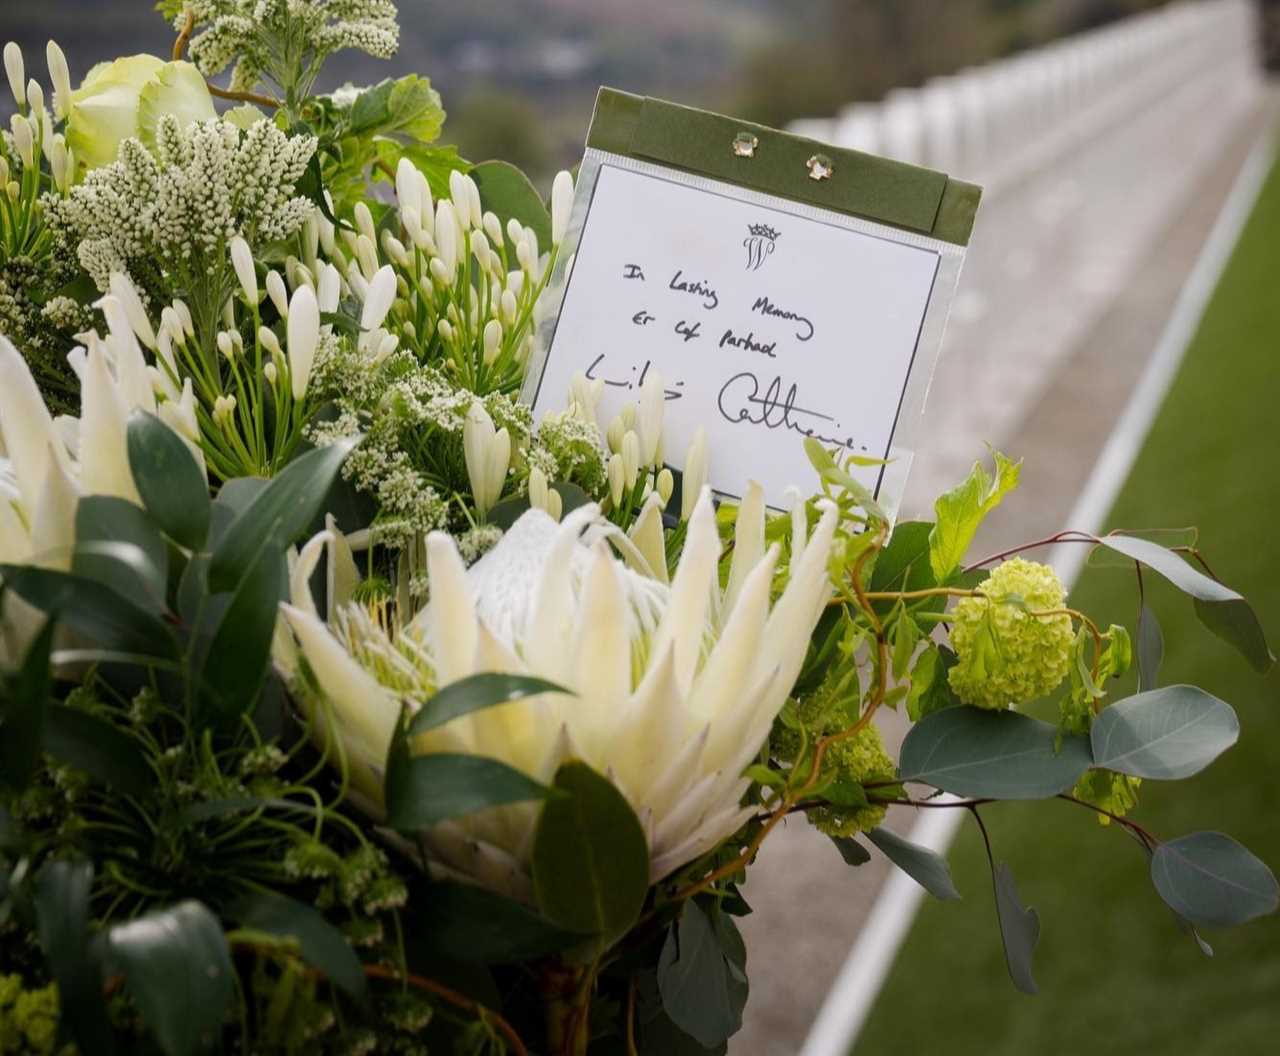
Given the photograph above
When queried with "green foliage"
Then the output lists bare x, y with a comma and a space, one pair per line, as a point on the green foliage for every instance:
961, 510
702, 974
506, 191
1208, 878
1166, 734
169, 482
925, 867
1019, 929
474, 693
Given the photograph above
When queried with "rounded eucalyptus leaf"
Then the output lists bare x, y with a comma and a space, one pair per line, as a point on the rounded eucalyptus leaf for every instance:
1211, 880
1164, 734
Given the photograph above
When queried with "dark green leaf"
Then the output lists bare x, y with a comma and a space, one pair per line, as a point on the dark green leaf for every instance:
506, 190
1220, 608
62, 923
1211, 880
461, 920
474, 693
851, 850
590, 856
23, 712
321, 944
1019, 929
1150, 649
927, 868
1165, 734
702, 990
961, 510
240, 652
138, 570
94, 610
930, 687
172, 487
278, 514
903, 564
101, 750
429, 789
1001, 754
178, 971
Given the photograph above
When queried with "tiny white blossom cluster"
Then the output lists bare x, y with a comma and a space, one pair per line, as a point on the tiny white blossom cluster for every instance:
280, 39
179, 208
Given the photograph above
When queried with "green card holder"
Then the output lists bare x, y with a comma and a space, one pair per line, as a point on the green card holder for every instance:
903, 196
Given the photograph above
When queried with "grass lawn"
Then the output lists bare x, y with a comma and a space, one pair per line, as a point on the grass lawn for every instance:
1115, 973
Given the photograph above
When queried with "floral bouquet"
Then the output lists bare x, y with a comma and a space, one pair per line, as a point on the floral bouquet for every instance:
345, 708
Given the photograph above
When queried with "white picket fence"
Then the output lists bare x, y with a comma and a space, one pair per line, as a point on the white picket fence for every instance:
995, 123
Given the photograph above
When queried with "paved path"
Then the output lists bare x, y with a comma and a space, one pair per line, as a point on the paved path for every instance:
1069, 281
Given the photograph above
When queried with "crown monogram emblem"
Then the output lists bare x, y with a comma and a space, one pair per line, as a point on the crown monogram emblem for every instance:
763, 230
761, 240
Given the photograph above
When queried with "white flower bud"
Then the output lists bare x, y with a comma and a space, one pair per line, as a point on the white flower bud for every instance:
311, 241
60, 78
407, 184
653, 395
377, 302
508, 307
613, 435
330, 289
268, 340
488, 455
480, 248
629, 414
439, 272
695, 473
514, 231
15, 70
184, 313
561, 205
23, 139
59, 161
492, 340
665, 485
447, 235
630, 458
538, 488
123, 290
242, 261
225, 345
387, 343
302, 334
445, 329
493, 228
278, 294
411, 219
394, 249
171, 327
367, 255
617, 479
35, 96
364, 221
270, 373
524, 255
327, 234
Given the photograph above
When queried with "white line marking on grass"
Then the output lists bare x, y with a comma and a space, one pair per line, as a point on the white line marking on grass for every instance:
852, 994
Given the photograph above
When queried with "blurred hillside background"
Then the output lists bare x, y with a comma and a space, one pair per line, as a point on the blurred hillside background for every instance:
519, 76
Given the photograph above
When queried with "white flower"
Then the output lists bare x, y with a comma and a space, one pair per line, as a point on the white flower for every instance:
277, 292
674, 688
653, 397
123, 290
695, 473
246, 275
15, 70
329, 289
377, 302
561, 206
23, 139
60, 78
303, 336
488, 454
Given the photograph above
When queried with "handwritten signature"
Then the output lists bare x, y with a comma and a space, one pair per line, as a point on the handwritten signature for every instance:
629, 383
741, 401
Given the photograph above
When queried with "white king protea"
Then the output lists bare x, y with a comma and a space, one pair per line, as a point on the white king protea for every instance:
674, 687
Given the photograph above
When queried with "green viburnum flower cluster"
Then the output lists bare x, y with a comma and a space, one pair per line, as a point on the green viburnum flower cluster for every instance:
28, 1018
283, 42
1008, 653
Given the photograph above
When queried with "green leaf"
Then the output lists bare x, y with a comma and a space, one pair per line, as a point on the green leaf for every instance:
927, 868
961, 510
101, 750
905, 636
474, 693
1019, 929
590, 856
407, 106
435, 163
1165, 734
851, 850
178, 971
62, 923
703, 990
1209, 879
23, 712
321, 944
91, 608
930, 688
462, 920
903, 564
1150, 649
506, 190
831, 472
138, 570
240, 652
278, 514
1000, 754
427, 789
1221, 609
172, 487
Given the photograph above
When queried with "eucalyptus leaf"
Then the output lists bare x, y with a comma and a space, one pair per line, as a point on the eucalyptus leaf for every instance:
321, 944
178, 971
278, 514
101, 750
999, 754
172, 487
851, 850
702, 990
590, 856
1165, 734
1150, 649
1224, 611
1210, 880
1019, 929
425, 790
118, 546
927, 868
61, 900
474, 693
91, 608
506, 191
23, 712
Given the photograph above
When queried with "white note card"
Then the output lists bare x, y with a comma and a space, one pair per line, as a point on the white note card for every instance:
769, 321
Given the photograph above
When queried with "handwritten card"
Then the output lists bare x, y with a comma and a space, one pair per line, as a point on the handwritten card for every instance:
769, 320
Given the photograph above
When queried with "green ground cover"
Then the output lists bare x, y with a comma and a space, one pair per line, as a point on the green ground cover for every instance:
1115, 973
